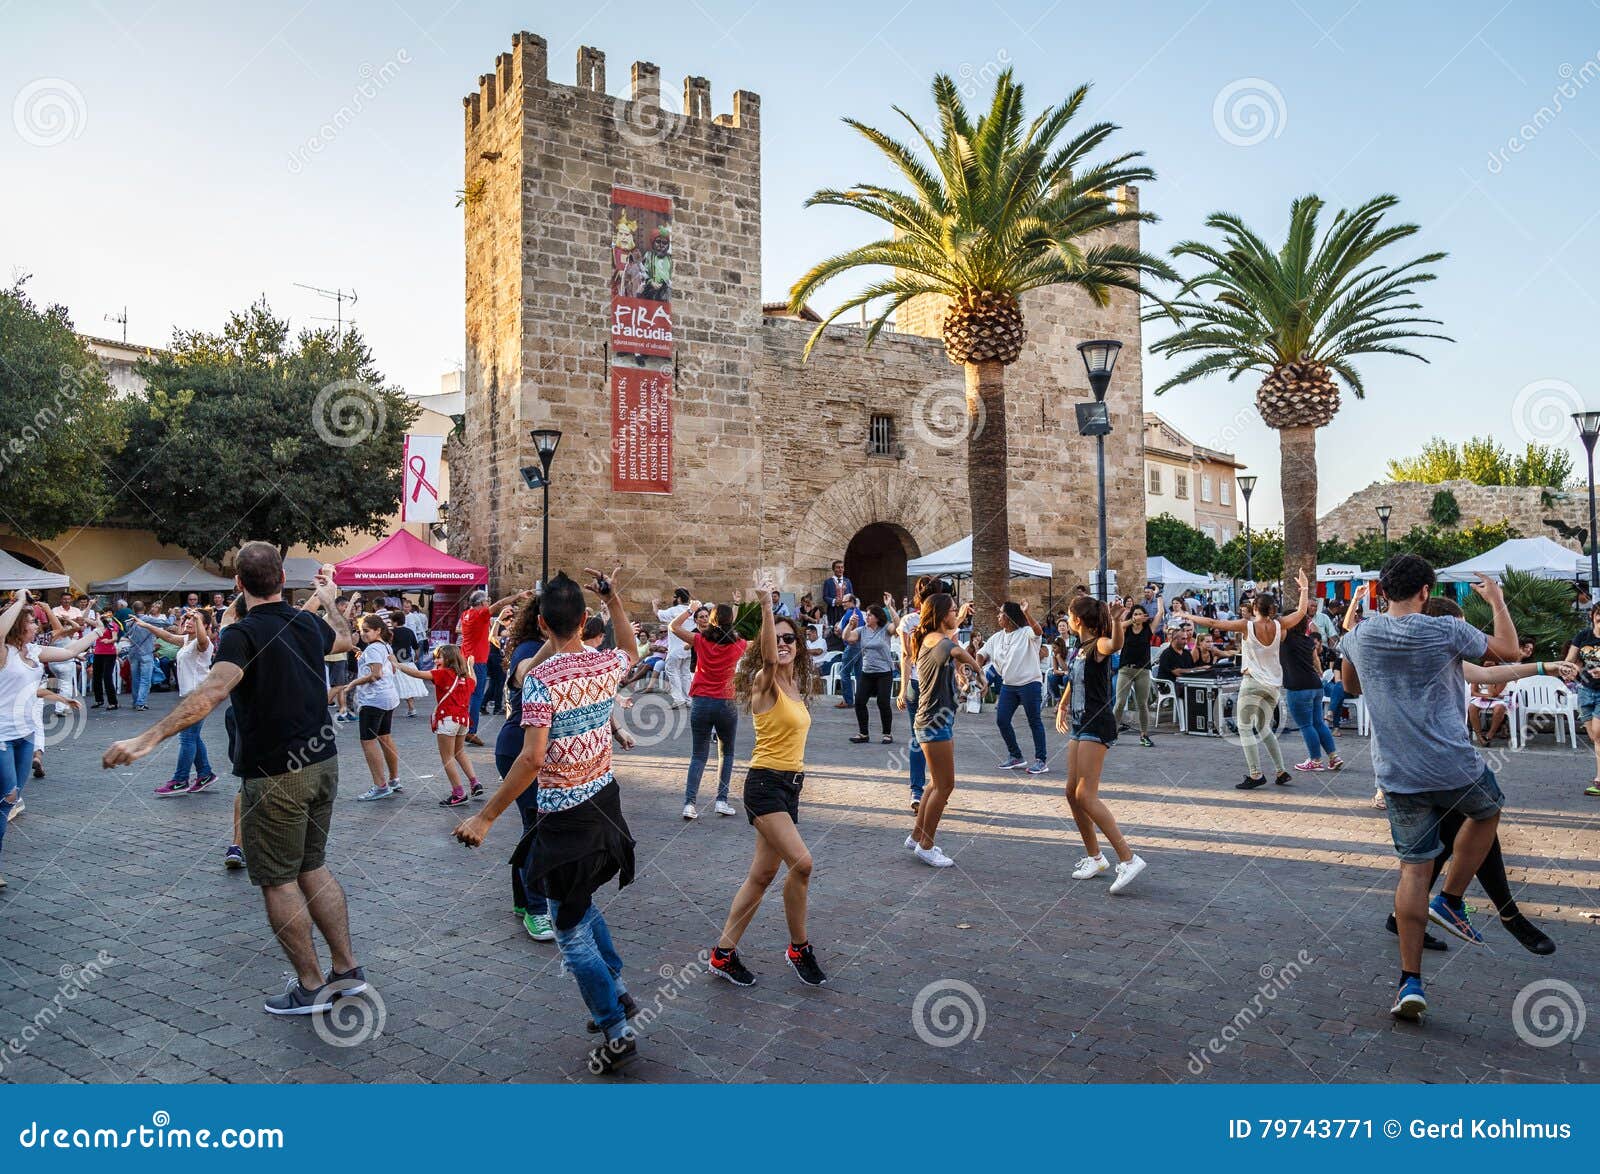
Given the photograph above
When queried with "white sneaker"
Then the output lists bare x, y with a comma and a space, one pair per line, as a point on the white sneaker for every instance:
725, 808
934, 857
17, 809
911, 842
1126, 871
689, 812
1091, 866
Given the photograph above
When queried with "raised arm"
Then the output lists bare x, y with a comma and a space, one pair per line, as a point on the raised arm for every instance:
852, 631
1216, 624
1109, 645
680, 622
769, 629
335, 619
1291, 621
1503, 644
8, 618
1033, 623
609, 589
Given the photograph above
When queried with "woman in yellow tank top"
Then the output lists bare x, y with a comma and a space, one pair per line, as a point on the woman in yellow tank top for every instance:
774, 682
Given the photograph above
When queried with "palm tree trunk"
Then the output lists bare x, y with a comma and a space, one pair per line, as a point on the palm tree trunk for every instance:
987, 490
1297, 472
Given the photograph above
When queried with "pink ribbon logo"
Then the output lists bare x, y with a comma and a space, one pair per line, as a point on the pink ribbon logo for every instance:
419, 473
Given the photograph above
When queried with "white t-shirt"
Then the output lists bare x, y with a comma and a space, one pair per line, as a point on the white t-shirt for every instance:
380, 694
1015, 655
908, 624
192, 665
675, 646
418, 623
19, 692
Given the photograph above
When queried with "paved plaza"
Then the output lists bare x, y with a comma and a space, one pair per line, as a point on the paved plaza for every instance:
1253, 948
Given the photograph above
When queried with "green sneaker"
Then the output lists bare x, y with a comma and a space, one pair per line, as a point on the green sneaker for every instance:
539, 927
518, 912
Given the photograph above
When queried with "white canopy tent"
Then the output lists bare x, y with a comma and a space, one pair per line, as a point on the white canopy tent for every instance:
1541, 556
161, 576
1343, 573
1172, 577
955, 560
16, 575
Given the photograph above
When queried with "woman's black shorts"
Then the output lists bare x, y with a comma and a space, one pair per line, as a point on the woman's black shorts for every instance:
374, 722
767, 792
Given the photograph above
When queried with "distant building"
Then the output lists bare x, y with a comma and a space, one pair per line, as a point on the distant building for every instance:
1193, 483
121, 360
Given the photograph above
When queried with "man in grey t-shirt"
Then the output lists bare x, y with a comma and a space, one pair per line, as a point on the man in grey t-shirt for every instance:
1407, 666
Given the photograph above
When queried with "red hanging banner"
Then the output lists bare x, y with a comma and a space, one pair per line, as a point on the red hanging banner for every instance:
641, 430
641, 274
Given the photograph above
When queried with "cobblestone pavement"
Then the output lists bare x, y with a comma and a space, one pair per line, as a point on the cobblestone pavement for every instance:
1252, 949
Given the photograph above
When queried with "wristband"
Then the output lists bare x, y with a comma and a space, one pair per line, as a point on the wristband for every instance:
1539, 666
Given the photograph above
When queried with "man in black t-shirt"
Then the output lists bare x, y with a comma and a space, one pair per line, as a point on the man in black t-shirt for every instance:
1176, 658
270, 662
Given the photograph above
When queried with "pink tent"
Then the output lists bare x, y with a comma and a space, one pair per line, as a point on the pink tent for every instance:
403, 560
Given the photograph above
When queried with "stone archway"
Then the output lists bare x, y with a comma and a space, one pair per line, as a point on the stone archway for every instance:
913, 510
34, 554
875, 561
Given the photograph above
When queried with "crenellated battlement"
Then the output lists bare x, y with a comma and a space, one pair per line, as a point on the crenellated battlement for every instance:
527, 67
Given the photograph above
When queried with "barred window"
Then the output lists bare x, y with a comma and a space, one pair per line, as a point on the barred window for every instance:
880, 436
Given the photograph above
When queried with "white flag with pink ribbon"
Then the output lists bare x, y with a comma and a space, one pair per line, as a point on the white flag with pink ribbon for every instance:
424, 469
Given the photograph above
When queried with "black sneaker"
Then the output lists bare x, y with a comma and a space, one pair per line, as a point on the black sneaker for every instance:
804, 961
1250, 784
342, 984
1283, 778
731, 968
1146, 740
477, 790
1533, 939
1429, 942
629, 1010
296, 1000
234, 857
613, 1054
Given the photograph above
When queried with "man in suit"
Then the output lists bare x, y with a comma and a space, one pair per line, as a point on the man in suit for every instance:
834, 589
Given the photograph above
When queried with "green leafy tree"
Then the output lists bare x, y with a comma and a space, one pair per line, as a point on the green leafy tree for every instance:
1541, 609
60, 421
1302, 314
1440, 545
1266, 556
996, 205
1445, 509
250, 433
1172, 538
1481, 460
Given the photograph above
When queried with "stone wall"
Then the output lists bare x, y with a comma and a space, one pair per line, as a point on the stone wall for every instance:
1523, 507
771, 468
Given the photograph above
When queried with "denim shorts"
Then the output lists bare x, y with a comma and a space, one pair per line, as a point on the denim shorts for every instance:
1588, 703
1414, 819
1086, 736
940, 733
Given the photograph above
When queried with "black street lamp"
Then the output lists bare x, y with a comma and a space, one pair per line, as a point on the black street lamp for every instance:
545, 440
1099, 360
1589, 429
1383, 516
1247, 486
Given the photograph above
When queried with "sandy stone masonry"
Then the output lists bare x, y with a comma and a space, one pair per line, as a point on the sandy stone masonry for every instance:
1523, 507
771, 467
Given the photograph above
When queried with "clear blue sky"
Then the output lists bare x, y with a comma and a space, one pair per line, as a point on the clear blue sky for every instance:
174, 189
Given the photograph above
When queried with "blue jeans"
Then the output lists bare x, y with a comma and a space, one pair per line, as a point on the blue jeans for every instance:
480, 673
1334, 691
16, 760
528, 808
192, 753
707, 716
587, 952
143, 667
850, 665
1030, 697
919, 760
1305, 710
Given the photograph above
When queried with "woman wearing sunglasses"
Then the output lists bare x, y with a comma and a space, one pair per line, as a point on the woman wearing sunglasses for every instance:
774, 682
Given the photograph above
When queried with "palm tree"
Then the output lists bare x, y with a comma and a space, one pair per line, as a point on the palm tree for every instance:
996, 206
1300, 314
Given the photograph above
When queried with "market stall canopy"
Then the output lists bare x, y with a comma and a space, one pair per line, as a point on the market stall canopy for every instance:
1169, 574
403, 560
299, 574
1542, 557
956, 559
161, 576
16, 574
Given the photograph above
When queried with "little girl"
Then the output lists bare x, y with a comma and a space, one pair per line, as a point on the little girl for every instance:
453, 683
376, 699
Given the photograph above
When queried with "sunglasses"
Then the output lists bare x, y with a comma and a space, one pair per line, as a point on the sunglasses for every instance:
788, 638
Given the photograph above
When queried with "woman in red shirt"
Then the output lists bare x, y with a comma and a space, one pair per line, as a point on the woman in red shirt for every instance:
104, 671
717, 649
452, 684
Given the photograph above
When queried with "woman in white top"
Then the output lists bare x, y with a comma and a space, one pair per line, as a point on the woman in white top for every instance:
22, 664
1263, 678
191, 665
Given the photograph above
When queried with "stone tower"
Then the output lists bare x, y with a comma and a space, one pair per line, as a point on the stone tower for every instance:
542, 159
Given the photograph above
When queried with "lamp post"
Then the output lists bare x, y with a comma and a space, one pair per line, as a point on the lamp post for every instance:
545, 441
1099, 360
1383, 516
1247, 486
1589, 429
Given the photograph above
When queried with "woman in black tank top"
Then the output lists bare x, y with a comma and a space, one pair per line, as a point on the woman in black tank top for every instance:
1085, 715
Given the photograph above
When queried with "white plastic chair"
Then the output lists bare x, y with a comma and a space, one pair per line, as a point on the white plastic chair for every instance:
1363, 723
1165, 693
1547, 697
